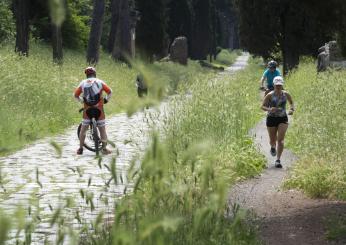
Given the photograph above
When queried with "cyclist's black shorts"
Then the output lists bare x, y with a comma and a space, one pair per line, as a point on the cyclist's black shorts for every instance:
275, 121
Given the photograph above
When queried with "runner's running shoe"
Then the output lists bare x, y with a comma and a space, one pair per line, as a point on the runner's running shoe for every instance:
273, 151
278, 164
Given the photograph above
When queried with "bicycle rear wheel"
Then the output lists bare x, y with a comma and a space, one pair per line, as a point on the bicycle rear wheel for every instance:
95, 136
89, 142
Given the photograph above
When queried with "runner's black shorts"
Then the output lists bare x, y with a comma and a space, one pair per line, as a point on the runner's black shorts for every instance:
275, 121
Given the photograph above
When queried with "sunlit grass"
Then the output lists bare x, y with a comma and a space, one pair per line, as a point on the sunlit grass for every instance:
37, 94
318, 132
226, 57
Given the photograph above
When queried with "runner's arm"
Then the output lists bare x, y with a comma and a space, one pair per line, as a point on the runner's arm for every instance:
265, 103
290, 101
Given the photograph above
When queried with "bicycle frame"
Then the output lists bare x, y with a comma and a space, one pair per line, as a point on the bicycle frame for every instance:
93, 114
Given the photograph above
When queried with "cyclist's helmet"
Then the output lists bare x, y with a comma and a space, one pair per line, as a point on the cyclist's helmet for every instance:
90, 71
272, 64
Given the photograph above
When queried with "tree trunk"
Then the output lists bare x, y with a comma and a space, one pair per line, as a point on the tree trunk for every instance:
115, 9
95, 32
57, 16
201, 40
290, 59
122, 45
21, 10
289, 50
57, 44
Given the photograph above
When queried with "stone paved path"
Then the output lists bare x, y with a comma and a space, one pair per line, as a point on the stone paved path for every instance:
64, 176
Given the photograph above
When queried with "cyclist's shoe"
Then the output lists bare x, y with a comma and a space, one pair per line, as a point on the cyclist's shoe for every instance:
105, 151
278, 164
80, 151
273, 151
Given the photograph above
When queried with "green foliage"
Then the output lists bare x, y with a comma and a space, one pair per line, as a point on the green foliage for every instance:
226, 57
57, 11
223, 113
75, 29
317, 132
7, 24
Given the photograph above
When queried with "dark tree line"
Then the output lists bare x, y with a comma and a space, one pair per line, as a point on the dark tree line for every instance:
291, 27
87, 24
264, 27
207, 24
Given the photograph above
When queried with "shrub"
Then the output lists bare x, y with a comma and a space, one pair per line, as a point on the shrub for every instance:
75, 31
7, 24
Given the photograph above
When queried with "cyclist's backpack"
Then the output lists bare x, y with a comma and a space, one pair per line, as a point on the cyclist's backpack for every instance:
91, 94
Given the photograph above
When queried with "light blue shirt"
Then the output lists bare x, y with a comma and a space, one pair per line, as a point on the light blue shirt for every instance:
270, 76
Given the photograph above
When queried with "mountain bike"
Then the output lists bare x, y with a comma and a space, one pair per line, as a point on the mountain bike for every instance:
92, 140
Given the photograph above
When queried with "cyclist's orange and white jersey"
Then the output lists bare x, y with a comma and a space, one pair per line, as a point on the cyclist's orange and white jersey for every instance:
97, 85
91, 90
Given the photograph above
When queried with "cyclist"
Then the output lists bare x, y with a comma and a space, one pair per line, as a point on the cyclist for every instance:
92, 89
277, 122
269, 75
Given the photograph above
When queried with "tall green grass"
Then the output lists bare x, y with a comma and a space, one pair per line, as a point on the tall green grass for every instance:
180, 191
318, 131
37, 94
226, 57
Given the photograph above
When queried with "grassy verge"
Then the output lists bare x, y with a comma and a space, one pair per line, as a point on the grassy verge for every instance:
317, 133
226, 57
180, 192
37, 95
223, 60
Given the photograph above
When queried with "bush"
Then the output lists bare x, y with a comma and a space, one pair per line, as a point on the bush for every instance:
7, 23
226, 57
75, 31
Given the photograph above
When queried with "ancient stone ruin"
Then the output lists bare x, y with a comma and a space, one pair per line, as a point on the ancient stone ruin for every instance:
178, 51
329, 55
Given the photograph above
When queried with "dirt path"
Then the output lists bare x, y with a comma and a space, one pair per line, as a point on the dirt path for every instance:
286, 217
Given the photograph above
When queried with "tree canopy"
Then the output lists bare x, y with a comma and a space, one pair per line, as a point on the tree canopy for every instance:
293, 27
